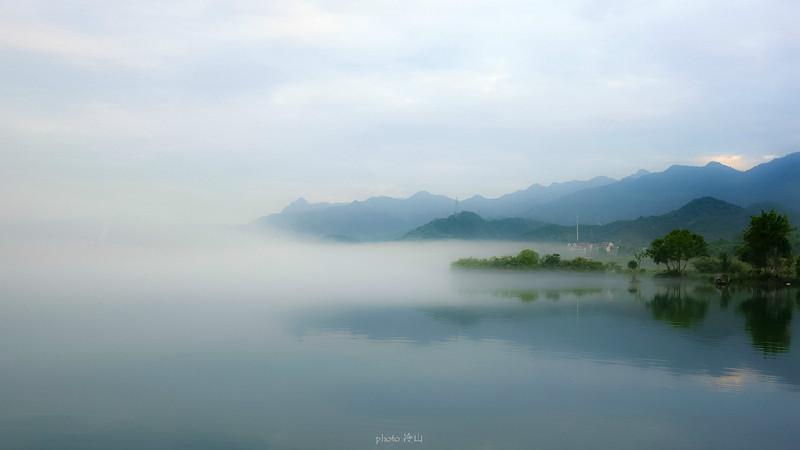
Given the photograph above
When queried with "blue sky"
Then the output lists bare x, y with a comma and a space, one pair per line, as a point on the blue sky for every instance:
219, 112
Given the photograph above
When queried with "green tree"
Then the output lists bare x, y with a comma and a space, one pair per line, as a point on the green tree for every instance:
528, 258
766, 242
707, 264
639, 256
582, 264
676, 249
632, 266
552, 260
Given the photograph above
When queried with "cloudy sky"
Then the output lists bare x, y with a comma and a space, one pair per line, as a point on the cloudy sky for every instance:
219, 112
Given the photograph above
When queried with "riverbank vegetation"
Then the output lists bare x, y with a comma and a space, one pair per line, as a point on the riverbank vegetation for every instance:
676, 249
765, 252
530, 260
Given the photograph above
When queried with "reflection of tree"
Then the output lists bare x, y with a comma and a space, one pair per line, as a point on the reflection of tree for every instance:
704, 290
523, 296
675, 306
460, 316
531, 295
724, 298
635, 291
581, 292
552, 295
768, 319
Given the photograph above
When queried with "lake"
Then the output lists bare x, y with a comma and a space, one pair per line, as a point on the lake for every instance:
267, 345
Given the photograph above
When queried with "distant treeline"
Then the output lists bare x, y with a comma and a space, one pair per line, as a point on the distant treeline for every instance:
765, 252
530, 260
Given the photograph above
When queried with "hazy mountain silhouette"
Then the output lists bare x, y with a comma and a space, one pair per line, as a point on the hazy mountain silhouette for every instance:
376, 218
712, 218
600, 200
520, 202
380, 218
777, 181
468, 225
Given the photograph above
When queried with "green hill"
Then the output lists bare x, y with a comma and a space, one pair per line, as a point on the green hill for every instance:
468, 225
710, 217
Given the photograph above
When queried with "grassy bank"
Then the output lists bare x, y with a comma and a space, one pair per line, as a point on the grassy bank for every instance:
528, 260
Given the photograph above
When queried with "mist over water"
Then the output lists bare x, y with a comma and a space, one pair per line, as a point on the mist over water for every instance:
222, 338
150, 151
256, 265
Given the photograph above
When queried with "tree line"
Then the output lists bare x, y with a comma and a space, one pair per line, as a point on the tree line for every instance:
530, 260
766, 248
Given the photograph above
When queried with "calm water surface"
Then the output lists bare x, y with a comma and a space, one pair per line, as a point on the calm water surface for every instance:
332, 348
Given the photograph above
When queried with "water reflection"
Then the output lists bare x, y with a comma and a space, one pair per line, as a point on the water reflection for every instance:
710, 333
674, 305
101, 359
724, 297
531, 295
768, 319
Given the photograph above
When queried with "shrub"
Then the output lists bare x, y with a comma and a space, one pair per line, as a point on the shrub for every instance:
738, 268
552, 260
582, 264
528, 257
708, 264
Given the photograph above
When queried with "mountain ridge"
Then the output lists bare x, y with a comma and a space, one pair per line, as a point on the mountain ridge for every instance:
599, 200
713, 218
657, 193
384, 218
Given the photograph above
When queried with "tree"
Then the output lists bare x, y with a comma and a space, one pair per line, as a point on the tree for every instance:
707, 264
676, 249
552, 260
632, 266
766, 242
639, 256
528, 258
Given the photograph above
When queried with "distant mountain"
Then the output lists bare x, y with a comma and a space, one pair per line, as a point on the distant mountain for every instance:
639, 173
519, 202
377, 218
712, 218
381, 218
777, 181
301, 205
468, 225
597, 201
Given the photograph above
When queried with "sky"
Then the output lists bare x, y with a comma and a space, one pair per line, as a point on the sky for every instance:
223, 111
